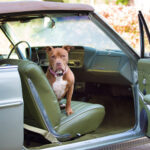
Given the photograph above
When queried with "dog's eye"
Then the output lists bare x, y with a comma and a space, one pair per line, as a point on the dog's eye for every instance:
63, 56
53, 56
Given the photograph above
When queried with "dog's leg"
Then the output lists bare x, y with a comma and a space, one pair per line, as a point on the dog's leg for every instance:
69, 97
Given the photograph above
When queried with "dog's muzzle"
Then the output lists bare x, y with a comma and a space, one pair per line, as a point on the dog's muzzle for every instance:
57, 73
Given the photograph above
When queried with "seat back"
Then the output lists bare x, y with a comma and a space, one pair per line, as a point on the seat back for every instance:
32, 115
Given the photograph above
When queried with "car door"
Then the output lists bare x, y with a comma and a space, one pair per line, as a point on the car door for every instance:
144, 77
11, 102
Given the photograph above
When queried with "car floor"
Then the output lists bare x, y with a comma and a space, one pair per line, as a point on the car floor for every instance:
119, 117
100, 132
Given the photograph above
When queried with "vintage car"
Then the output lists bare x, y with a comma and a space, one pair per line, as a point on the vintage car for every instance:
111, 98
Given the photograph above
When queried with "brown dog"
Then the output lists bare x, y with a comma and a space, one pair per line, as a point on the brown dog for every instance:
59, 74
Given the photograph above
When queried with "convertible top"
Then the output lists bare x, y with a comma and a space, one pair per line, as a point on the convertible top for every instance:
33, 6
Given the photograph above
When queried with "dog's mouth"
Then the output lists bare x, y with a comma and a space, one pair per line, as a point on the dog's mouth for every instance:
59, 72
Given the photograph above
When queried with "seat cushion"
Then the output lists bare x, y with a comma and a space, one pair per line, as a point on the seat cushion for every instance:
86, 118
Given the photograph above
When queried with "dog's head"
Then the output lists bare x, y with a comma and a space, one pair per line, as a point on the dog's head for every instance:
58, 58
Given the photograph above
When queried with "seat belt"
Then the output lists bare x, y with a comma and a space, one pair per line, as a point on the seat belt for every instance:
47, 135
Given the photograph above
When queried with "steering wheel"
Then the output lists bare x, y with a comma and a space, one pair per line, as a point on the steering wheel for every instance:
14, 47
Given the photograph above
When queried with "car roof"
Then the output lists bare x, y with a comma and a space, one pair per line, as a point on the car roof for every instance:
34, 6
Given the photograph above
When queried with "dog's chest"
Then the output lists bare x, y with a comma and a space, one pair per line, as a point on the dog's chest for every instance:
59, 87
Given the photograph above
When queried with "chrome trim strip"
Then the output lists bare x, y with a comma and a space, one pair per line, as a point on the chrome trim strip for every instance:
127, 144
130, 143
10, 103
141, 95
8, 67
39, 105
148, 106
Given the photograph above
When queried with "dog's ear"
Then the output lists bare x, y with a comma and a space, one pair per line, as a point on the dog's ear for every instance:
67, 48
48, 48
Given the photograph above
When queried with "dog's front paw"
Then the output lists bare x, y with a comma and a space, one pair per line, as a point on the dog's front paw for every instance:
62, 106
69, 111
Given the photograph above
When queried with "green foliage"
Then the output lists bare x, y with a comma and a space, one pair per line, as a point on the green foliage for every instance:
124, 2
107, 1
125, 21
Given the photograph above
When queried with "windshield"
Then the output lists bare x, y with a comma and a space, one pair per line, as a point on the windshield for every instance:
65, 30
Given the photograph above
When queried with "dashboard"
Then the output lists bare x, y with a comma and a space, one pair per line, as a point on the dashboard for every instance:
76, 56
92, 65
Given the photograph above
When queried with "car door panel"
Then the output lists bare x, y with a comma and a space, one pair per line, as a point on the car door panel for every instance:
144, 92
144, 75
11, 109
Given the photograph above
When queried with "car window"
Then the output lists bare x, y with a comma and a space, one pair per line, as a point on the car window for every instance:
5, 47
66, 30
4, 44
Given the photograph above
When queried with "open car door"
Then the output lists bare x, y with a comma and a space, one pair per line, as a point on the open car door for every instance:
144, 77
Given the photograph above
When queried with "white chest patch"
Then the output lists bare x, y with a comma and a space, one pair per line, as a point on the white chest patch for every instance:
59, 87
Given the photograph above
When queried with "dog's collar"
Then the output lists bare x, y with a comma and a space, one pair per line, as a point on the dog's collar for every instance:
55, 74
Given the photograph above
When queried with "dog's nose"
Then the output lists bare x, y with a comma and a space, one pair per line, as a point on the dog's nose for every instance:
58, 63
